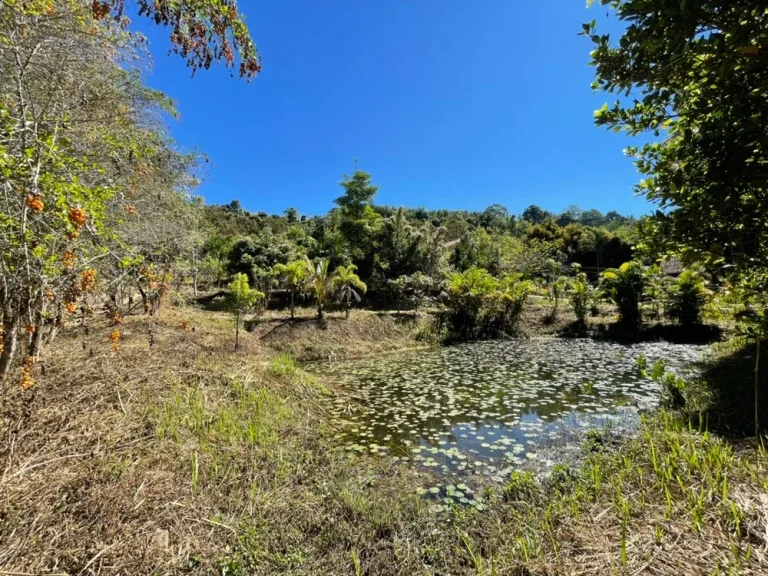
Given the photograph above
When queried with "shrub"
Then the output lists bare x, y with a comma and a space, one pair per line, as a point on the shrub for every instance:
582, 297
506, 304
411, 289
480, 306
556, 290
520, 487
624, 285
241, 300
686, 299
467, 293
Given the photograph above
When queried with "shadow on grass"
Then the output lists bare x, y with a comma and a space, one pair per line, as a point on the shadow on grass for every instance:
212, 302
402, 317
728, 385
617, 332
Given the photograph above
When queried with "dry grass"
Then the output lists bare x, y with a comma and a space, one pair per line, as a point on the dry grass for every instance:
365, 333
186, 457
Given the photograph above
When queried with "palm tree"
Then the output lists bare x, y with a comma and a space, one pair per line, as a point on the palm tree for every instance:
596, 239
348, 282
294, 275
319, 282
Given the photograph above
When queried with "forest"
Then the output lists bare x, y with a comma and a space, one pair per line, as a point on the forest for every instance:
192, 388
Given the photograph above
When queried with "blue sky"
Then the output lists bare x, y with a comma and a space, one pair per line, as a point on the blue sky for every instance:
448, 104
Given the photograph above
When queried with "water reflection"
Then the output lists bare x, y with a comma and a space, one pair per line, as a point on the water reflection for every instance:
486, 408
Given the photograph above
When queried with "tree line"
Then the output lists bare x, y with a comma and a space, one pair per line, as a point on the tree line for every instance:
396, 250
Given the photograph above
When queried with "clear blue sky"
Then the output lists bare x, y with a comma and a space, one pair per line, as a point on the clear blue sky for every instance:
447, 103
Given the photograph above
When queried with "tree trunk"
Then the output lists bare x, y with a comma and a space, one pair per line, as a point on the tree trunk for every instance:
10, 342
292, 306
319, 311
144, 298
194, 271
757, 391
35, 342
349, 304
237, 331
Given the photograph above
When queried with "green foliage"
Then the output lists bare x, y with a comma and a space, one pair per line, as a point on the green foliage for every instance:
294, 276
507, 302
348, 284
467, 294
624, 285
319, 283
358, 194
686, 298
582, 296
257, 257
479, 305
596, 240
521, 487
412, 289
557, 288
283, 364
241, 300
535, 215
656, 288
697, 70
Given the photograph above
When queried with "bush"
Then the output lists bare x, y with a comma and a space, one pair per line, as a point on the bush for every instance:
481, 306
521, 487
506, 304
582, 297
687, 298
467, 294
624, 285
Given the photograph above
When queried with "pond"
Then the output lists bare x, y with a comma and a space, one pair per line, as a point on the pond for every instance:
488, 408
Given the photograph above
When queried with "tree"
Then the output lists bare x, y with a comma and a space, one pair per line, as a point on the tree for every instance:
204, 31
696, 73
292, 215
592, 218
294, 275
241, 300
358, 194
95, 193
412, 288
495, 217
595, 240
535, 215
319, 282
348, 283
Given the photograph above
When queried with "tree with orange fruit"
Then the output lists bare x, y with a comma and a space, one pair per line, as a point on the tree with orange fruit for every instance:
84, 154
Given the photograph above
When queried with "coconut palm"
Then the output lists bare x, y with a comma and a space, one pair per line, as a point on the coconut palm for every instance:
348, 283
319, 282
294, 276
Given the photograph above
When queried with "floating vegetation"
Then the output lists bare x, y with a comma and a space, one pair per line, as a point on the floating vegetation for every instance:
489, 408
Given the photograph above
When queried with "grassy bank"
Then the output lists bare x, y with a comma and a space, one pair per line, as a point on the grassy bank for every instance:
186, 457
365, 333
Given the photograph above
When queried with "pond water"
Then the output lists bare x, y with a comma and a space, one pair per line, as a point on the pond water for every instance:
488, 408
